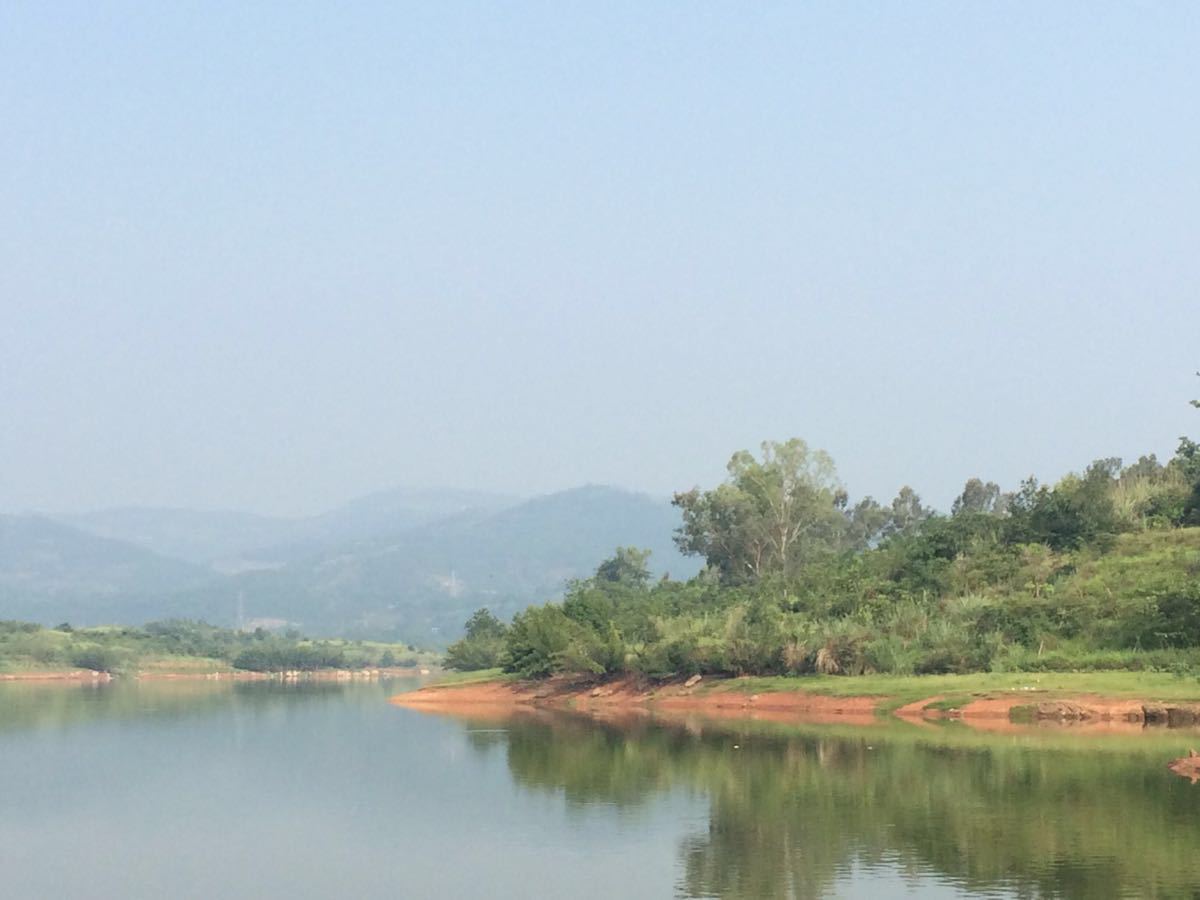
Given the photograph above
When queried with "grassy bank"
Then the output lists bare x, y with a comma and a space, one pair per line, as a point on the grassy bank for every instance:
898, 690
481, 676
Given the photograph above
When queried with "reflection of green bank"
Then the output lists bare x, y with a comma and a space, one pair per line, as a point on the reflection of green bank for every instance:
56, 705
1049, 813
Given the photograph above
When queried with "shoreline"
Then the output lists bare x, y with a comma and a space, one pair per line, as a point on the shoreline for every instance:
89, 676
999, 709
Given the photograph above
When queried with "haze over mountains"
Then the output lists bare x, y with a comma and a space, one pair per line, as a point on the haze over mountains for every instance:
403, 564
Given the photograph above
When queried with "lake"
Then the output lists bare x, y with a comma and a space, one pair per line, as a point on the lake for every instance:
324, 790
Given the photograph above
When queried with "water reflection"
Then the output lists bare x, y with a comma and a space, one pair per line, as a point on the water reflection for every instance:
55, 706
793, 812
323, 789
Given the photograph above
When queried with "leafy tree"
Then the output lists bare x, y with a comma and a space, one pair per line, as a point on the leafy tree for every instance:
628, 565
769, 516
1189, 454
539, 641
483, 624
483, 645
1077, 511
907, 513
978, 497
97, 658
866, 522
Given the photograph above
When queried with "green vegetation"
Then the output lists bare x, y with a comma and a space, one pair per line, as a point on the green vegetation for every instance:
957, 690
1098, 572
473, 676
483, 645
186, 646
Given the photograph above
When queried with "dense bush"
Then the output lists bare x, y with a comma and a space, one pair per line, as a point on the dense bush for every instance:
97, 658
483, 645
269, 656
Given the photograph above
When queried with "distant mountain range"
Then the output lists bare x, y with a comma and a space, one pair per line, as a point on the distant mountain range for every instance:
402, 564
222, 538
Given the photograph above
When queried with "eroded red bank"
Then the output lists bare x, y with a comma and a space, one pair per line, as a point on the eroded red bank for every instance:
992, 711
997, 712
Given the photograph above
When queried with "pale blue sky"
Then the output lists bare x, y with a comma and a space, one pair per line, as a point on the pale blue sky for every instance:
270, 256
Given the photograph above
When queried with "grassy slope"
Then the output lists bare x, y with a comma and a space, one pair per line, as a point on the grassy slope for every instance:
462, 679
901, 689
1137, 566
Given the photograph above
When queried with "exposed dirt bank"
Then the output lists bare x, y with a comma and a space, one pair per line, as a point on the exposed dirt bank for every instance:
725, 698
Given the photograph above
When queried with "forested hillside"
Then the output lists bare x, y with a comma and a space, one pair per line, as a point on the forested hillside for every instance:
1098, 570
50, 571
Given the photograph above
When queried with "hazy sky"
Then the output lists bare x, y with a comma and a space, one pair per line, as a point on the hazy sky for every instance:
270, 256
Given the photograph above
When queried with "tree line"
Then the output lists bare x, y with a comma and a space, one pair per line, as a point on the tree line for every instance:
124, 648
1097, 570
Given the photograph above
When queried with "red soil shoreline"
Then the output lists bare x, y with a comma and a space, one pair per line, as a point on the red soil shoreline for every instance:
990, 713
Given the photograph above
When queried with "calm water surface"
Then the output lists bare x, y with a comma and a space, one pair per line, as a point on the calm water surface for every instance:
326, 791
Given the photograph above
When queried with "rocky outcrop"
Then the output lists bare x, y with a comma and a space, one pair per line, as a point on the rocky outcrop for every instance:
1187, 766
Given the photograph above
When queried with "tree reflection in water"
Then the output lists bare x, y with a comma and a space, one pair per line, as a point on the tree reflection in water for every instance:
793, 809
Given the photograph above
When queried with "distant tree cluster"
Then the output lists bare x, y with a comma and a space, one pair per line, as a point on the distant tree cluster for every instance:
119, 649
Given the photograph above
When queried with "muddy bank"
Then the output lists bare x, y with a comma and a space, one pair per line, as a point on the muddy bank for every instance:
725, 698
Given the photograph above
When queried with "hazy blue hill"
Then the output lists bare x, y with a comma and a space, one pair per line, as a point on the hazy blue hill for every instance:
49, 570
380, 514
404, 564
197, 536
421, 585
233, 540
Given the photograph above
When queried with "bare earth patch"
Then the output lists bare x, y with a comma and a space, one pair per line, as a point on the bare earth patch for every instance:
720, 698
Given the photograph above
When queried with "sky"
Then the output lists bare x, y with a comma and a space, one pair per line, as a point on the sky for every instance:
273, 256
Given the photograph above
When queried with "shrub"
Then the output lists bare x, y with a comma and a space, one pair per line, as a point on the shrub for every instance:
97, 658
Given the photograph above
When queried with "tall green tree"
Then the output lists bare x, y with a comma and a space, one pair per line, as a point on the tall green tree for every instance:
771, 514
978, 497
907, 513
1189, 454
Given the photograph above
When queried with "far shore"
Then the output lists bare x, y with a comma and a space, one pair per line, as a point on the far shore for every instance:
89, 676
1106, 702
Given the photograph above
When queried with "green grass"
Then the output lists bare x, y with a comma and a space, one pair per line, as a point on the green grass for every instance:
461, 679
902, 689
181, 665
